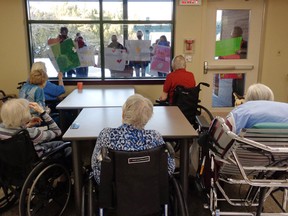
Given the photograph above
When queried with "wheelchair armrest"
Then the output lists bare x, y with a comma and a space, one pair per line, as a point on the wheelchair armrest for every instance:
104, 153
202, 123
56, 150
170, 149
162, 103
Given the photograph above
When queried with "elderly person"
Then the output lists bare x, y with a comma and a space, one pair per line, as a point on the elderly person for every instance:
258, 108
131, 135
16, 115
33, 89
51, 90
179, 76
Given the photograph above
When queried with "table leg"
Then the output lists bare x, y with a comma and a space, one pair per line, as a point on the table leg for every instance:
77, 177
184, 165
62, 119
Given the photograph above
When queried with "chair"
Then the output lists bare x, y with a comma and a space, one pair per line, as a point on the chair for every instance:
255, 162
35, 181
137, 184
187, 99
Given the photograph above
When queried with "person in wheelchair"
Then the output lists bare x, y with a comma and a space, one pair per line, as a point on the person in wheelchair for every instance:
15, 114
259, 107
131, 135
179, 76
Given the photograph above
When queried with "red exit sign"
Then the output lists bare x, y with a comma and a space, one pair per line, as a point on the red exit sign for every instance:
190, 2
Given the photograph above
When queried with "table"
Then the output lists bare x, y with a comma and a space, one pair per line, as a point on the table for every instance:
168, 120
94, 97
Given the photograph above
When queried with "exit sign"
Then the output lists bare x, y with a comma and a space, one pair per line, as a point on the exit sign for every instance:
190, 2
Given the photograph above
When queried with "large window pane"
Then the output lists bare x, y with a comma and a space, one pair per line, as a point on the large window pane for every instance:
82, 18
63, 10
150, 10
41, 33
112, 10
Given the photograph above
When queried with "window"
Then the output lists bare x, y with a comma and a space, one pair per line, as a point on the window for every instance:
89, 51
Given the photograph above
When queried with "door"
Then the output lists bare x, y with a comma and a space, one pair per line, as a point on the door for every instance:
231, 50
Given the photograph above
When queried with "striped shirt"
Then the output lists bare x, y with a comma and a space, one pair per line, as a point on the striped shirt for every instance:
37, 135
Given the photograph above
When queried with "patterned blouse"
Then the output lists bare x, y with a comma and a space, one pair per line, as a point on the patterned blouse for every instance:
126, 138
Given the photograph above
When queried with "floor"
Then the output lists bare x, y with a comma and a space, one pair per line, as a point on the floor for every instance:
195, 204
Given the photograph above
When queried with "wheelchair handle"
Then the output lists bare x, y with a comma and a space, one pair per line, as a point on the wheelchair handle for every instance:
205, 84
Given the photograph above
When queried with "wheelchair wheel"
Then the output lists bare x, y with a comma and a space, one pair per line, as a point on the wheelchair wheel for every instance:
46, 190
8, 196
177, 203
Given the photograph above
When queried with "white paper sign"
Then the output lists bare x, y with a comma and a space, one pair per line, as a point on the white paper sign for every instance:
115, 59
86, 56
138, 50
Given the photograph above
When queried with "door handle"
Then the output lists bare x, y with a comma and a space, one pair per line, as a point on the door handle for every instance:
226, 67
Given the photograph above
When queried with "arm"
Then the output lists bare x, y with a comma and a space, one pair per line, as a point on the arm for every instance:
96, 156
37, 135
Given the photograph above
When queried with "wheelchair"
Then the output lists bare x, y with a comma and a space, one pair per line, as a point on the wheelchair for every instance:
187, 99
136, 184
254, 163
40, 184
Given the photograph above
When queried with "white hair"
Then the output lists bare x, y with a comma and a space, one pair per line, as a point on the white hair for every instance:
259, 91
178, 62
137, 111
15, 113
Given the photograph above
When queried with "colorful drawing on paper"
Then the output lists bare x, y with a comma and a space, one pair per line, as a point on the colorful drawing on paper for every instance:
138, 50
115, 59
161, 59
66, 55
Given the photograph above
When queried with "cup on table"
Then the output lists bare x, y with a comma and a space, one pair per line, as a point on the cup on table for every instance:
80, 86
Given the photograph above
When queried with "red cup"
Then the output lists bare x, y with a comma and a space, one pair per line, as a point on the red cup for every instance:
80, 86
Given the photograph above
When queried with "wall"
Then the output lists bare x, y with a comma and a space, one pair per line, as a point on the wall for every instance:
15, 60
275, 55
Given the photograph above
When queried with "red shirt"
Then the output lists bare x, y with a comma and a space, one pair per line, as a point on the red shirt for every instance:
178, 77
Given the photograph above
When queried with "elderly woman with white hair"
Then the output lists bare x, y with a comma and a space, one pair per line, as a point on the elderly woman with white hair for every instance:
258, 108
15, 114
179, 76
131, 135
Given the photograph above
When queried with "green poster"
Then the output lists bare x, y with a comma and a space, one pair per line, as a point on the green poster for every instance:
228, 46
66, 55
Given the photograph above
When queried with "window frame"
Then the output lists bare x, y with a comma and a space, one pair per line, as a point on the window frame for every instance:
103, 80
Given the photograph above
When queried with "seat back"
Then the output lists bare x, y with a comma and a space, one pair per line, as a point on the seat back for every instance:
135, 183
221, 138
17, 156
187, 100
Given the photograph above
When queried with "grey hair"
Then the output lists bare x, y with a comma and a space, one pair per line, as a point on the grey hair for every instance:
39, 66
178, 62
137, 111
259, 91
15, 113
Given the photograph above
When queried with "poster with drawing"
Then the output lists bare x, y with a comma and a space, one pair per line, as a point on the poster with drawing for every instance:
65, 55
115, 59
138, 50
86, 56
51, 56
161, 59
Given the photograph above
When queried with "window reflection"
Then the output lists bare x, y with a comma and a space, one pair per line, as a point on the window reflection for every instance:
224, 85
232, 30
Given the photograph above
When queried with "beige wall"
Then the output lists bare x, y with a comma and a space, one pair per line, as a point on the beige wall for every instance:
15, 60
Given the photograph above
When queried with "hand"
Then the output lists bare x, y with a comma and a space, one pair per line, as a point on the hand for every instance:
34, 121
60, 75
35, 106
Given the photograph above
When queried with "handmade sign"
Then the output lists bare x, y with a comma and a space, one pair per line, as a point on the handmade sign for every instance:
115, 59
65, 55
138, 50
161, 59
86, 56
